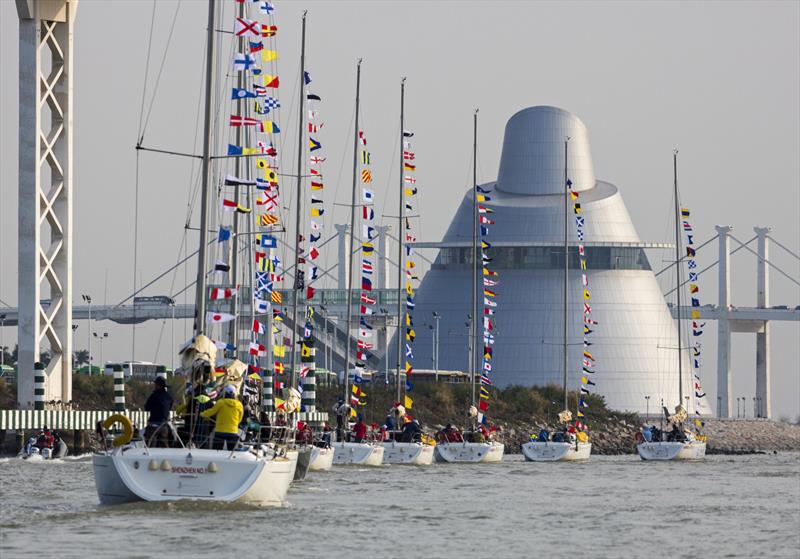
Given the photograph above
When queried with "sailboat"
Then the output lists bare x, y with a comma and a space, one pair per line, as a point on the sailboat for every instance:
568, 450
364, 453
681, 443
469, 449
250, 472
398, 451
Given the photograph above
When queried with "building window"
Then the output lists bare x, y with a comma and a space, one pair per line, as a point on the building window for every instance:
546, 258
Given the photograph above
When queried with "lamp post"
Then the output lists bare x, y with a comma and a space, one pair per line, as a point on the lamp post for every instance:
172, 306
744, 407
647, 407
436, 317
719, 407
88, 300
100, 338
2, 345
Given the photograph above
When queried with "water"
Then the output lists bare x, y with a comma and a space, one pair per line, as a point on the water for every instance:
726, 506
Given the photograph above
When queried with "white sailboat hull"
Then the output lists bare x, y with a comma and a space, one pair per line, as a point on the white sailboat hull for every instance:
323, 461
362, 454
174, 474
541, 451
471, 453
691, 450
416, 454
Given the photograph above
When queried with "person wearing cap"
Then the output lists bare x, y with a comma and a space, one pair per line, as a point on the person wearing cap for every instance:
159, 405
229, 412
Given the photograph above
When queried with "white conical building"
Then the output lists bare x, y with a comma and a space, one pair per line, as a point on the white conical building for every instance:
635, 340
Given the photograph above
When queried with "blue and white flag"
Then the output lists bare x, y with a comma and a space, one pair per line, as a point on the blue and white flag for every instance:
237, 93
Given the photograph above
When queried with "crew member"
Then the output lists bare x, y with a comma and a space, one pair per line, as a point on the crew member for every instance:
360, 430
229, 412
159, 405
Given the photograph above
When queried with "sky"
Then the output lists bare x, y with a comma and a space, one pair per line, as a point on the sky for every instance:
720, 81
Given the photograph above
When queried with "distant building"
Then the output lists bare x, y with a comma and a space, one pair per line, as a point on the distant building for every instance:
635, 340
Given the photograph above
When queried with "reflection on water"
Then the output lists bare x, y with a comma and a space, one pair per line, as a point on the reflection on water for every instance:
736, 506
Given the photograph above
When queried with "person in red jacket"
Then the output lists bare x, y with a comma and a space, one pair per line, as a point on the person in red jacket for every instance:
359, 430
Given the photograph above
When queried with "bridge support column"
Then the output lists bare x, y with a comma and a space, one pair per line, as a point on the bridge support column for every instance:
724, 378
45, 195
382, 261
763, 373
343, 231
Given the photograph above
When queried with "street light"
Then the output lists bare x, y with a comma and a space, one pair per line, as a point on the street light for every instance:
719, 407
647, 407
172, 305
744, 407
88, 300
101, 339
436, 317
2, 345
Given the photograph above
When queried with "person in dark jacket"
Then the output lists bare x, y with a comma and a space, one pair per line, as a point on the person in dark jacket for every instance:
159, 405
412, 432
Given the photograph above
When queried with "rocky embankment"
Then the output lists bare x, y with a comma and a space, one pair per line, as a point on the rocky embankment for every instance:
736, 436
724, 436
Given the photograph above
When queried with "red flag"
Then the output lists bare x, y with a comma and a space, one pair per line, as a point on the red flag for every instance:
483, 405
309, 292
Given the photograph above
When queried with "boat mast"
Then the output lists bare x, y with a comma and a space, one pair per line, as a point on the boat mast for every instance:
351, 246
566, 267
474, 334
678, 273
299, 201
200, 316
400, 252
233, 326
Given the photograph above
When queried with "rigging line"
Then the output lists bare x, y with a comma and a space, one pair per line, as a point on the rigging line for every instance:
391, 165
416, 251
161, 68
154, 280
146, 72
332, 219
671, 264
734, 251
773, 266
771, 238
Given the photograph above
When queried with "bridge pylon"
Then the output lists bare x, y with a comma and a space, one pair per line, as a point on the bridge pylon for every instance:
45, 195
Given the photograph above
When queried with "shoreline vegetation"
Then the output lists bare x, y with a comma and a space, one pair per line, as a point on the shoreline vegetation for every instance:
516, 412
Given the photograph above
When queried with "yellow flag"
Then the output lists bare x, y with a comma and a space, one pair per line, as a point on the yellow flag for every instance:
408, 402
586, 294
316, 212
695, 314
353, 412
409, 191
279, 350
269, 55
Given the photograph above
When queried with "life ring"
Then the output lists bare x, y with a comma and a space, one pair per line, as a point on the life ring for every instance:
639, 438
127, 428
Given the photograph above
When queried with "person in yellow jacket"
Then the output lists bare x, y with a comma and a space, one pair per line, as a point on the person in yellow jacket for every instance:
229, 413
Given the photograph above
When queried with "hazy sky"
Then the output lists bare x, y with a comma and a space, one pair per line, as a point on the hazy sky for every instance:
718, 80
